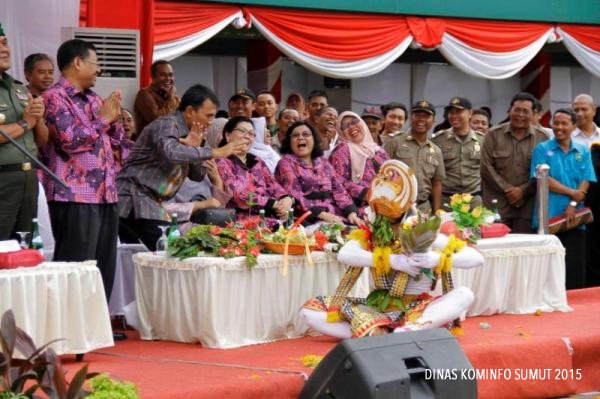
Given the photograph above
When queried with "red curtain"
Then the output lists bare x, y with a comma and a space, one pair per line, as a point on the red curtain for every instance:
587, 35
496, 36
175, 20
334, 35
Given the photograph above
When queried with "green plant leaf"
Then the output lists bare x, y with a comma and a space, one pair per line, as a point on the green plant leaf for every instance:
7, 334
77, 383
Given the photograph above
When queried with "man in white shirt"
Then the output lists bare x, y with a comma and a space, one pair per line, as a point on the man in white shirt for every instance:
586, 132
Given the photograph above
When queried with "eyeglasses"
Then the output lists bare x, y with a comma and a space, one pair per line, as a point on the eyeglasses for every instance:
243, 132
304, 135
350, 123
96, 63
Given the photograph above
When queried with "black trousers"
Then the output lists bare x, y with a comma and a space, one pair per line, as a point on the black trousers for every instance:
575, 257
132, 230
18, 202
86, 231
593, 251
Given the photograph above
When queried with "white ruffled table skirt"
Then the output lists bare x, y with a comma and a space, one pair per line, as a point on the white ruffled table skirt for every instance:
522, 273
223, 304
59, 300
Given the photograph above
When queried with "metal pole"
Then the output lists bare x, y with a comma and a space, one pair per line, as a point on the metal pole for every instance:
541, 174
33, 158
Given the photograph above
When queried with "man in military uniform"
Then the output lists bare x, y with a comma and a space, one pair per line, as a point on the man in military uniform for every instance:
461, 149
505, 161
423, 156
20, 118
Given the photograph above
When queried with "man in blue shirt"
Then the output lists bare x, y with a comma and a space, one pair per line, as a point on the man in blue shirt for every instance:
571, 171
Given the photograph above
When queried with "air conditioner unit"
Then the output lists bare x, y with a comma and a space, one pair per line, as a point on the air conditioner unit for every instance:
118, 53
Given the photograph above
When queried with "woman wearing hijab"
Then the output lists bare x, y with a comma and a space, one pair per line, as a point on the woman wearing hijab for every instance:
311, 180
248, 179
357, 157
296, 101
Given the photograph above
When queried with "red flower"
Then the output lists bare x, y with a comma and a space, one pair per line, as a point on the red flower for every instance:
321, 239
215, 230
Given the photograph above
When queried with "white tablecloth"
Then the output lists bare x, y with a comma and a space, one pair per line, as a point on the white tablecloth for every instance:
222, 304
123, 291
522, 273
59, 300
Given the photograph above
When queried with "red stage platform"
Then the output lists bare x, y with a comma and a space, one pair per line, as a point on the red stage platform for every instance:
523, 346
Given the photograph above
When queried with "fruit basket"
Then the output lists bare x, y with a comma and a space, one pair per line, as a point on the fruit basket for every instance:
293, 248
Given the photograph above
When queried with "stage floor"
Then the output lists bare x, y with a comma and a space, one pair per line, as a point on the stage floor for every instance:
566, 343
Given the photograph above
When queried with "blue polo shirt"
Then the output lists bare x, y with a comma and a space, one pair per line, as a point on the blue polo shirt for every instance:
568, 168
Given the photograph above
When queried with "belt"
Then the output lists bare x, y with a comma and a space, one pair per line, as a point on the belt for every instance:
316, 195
473, 194
16, 167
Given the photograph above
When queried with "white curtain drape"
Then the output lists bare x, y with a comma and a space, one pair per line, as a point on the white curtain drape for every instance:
32, 26
487, 64
589, 58
173, 49
335, 68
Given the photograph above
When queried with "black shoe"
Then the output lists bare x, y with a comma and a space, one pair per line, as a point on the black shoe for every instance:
118, 336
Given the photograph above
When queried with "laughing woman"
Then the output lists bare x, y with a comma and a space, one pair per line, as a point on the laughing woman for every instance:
310, 178
356, 158
248, 179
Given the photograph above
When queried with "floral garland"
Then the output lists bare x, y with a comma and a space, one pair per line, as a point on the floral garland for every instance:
240, 239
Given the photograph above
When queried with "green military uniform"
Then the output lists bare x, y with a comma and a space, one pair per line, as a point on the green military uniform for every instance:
18, 179
425, 159
462, 158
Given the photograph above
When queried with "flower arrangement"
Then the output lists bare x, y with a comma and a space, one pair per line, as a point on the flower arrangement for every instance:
239, 239
468, 220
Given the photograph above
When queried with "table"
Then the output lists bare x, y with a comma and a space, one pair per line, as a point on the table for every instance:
223, 304
522, 273
123, 291
59, 300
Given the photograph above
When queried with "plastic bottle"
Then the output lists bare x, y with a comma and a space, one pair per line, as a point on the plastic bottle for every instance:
290, 218
36, 239
173, 229
497, 217
262, 224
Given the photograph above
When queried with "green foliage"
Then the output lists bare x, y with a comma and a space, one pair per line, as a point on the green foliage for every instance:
382, 232
103, 387
383, 301
41, 367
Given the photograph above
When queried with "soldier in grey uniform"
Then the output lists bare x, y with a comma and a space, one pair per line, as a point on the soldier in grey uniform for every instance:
21, 117
423, 156
461, 149
505, 162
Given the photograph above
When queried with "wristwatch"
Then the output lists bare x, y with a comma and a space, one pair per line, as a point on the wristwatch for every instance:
573, 204
23, 123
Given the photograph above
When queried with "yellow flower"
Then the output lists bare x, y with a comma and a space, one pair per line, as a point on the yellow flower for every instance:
464, 208
477, 212
467, 198
311, 360
455, 199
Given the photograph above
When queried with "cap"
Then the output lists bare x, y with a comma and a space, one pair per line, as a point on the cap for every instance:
423, 105
372, 111
459, 103
244, 93
2, 30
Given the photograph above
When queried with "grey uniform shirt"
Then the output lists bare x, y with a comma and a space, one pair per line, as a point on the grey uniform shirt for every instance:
462, 158
425, 159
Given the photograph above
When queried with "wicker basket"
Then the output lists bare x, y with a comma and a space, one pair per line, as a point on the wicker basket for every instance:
293, 248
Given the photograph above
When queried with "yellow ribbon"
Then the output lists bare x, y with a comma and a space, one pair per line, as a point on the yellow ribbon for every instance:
286, 249
381, 260
454, 245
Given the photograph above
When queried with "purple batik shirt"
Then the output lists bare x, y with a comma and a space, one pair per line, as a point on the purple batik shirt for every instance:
80, 146
340, 160
252, 177
317, 188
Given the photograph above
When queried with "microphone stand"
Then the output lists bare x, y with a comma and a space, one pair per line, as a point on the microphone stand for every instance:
33, 158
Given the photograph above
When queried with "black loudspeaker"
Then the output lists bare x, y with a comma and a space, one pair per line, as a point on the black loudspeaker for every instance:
416, 365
